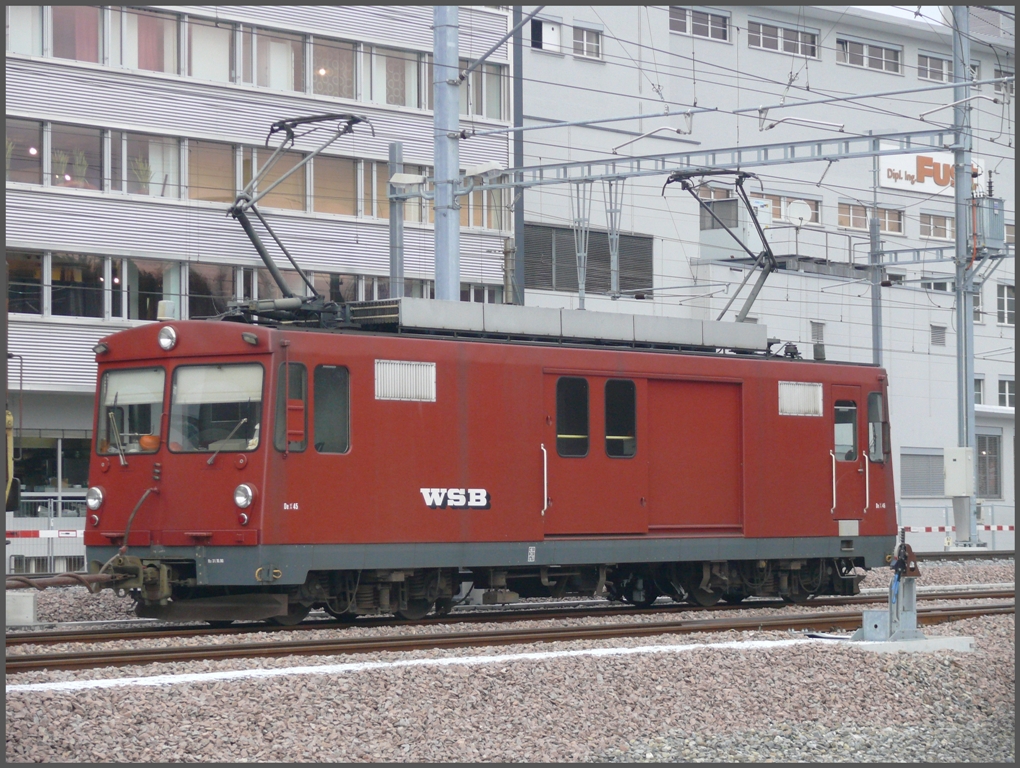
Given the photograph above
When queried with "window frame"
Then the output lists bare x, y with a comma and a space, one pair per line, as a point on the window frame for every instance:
1005, 296
989, 465
843, 55
315, 409
855, 449
780, 37
930, 226
632, 417
1007, 392
687, 22
170, 406
924, 70
586, 44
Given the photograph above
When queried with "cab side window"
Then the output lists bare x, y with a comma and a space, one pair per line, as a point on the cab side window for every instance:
572, 416
878, 428
846, 430
331, 421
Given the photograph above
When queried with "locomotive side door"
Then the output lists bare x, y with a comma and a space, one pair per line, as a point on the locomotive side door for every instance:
849, 446
596, 448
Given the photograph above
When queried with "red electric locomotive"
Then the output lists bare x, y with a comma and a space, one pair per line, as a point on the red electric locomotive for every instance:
248, 472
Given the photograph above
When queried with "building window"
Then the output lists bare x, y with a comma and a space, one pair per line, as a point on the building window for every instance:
480, 294
979, 391
853, 216
1006, 88
937, 226
938, 335
699, 23
775, 38
550, 257
77, 32
545, 36
1007, 393
333, 69
921, 474
289, 194
890, 221
572, 416
587, 43
335, 186
77, 285
781, 205
338, 288
211, 50
24, 29
706, 192
331, 393
152, 164
210, 287
1005, 296
989, 466
979, 316
76, 157
393, 78
1010, 234
867, 55
24, 282
939, 285
24, 151
211, 171
932, 68
143, 40
272, 59
146, 282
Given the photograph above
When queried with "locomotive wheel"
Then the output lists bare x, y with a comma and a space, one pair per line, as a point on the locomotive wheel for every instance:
219, 624
706, 598
341, 615
416, 609
650, 596
797, 598
296, 613
733, 598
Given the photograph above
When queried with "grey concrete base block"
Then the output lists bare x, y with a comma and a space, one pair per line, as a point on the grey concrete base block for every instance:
21, 608
928, 644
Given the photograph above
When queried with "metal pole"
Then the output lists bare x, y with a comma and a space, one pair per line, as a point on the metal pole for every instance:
396, 224
963, 506
875, 259
446, 121
518, 191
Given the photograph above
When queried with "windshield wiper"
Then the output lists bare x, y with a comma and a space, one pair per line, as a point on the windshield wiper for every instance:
223, 442
116, 436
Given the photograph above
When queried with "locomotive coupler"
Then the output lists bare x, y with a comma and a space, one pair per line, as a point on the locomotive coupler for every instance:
899, 620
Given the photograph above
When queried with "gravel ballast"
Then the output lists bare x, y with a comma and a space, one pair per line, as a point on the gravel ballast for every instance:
822, 701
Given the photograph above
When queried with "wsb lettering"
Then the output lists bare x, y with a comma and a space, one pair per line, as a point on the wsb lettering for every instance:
456, 498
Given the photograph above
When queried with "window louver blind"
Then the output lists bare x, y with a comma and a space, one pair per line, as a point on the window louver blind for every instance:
921, 475
550, 260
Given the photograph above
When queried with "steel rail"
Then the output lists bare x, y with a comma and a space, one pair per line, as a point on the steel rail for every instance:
817, 622
494, 617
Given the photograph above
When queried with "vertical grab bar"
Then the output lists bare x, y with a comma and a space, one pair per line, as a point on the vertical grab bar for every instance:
545, 479
867, 483
833, 455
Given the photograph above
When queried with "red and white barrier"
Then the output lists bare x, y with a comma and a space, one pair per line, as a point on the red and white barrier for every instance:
45, 534
948, 528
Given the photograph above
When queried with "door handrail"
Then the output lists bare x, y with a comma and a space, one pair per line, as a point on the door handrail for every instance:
545, 479
867, 483
833, 455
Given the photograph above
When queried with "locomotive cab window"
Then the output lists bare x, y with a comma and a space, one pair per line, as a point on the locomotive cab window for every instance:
331, 390
878, 428
291, 433
846, 430
131, 404
572, 417
621, 419
215, 408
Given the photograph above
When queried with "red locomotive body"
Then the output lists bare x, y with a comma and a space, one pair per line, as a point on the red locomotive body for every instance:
259, 472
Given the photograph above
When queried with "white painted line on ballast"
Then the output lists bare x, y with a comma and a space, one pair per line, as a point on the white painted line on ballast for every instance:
336, 669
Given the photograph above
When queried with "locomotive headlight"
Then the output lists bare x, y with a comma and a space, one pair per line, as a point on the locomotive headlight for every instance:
244, 495
94, 498
167, 337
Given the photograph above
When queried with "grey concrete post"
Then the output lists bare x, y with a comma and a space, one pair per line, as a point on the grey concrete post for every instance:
446, 121
396, 223
518, 192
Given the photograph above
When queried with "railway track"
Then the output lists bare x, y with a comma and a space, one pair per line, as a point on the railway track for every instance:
462, 617
821, 622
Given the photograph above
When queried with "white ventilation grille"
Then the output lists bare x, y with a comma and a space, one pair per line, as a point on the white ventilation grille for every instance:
404, 380
797, 398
